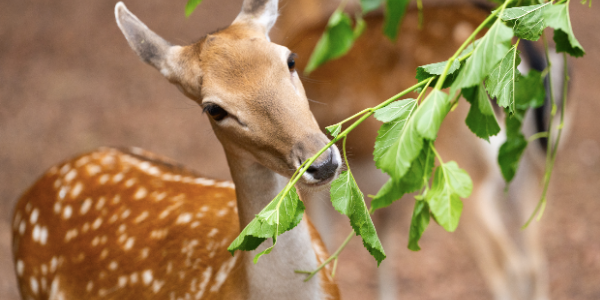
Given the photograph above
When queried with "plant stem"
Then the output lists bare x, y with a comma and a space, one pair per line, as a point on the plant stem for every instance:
539, 135
442, 77
551, 148
332, 257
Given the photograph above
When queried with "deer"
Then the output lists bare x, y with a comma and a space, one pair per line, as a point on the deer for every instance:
511, 261
129, 224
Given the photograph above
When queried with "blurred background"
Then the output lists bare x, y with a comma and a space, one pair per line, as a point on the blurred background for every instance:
69, 83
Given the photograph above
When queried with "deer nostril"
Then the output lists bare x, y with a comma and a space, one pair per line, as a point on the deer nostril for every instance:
324, 170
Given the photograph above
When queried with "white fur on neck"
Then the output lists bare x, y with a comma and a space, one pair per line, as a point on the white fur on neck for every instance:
273, 277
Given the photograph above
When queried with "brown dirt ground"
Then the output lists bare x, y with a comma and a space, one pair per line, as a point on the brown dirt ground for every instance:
69, 83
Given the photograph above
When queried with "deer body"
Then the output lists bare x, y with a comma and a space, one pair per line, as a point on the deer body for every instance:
127, 224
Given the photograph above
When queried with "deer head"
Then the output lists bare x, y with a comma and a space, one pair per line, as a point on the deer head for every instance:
249, 88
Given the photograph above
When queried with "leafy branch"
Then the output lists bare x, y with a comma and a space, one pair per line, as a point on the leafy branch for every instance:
481, 71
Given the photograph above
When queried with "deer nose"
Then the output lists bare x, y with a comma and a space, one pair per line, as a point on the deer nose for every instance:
326, 169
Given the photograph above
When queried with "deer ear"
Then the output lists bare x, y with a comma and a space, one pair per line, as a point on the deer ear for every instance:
149, 46
259, 12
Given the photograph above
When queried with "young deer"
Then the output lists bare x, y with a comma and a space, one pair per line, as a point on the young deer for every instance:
511, 260
127, 224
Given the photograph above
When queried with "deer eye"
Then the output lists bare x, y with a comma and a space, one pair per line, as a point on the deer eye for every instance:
215, 111
291, 61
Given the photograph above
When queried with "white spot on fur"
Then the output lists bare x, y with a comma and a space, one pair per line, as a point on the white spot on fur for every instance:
71, 175
205, 278
130, 182
53, 264
66, 168
122, 228
118, 177
133, 278
82, 161
221, 212
213, 232
104, 253
62, 193
204, 208
184, 218
160, 196
93, 169
116, 199
54, 291
35, 234
76, 190
22, 227
67, 212
71, 234
113, 265
159, 234
57, 207
142, 217
204, 181
96, 241
147, 277
157, 285
33, 283
57, 183
89, 286
226, 184
144, 253
34, 216
97, 223
125, 214
85, 227
195, 224
129, 243
122, 281
44, 269
20, 267
104, 179
141, 193
223, 273
85, 207
113, 219
100, 203
43, 235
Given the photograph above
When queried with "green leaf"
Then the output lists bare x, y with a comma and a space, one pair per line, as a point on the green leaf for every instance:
501, 82
334, 130
557, 17
397, 111
418, 224
419, 173
510, 153
190, 6
527, 21
347, 199
398, 142
280, 215
449, 185
394, 13
481, 118
431, 113
335, 41
530, 91
369, 5
426, 71
486, 54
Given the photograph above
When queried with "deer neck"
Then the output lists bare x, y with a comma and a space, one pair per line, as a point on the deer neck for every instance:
273, 277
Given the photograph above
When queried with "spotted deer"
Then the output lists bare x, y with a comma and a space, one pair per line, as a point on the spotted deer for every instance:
511, 260
128, 224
